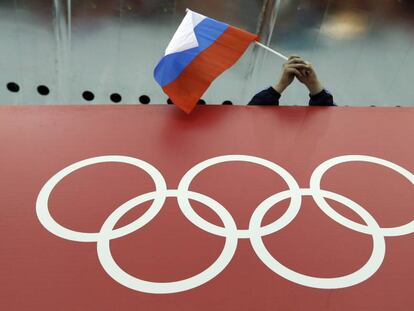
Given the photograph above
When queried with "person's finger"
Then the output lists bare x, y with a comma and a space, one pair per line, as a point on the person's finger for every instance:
294, 58
305, 72
295, 71
310, 66
296, 61
310, 70
298, 66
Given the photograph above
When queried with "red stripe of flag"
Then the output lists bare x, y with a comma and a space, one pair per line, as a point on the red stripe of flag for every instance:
195, 79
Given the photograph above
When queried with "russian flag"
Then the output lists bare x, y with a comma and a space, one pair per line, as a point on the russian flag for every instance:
200, 51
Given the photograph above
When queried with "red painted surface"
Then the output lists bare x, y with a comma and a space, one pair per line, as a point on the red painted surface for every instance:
40, 271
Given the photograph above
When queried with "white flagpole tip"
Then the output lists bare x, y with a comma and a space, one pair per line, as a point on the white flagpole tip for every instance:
271, 50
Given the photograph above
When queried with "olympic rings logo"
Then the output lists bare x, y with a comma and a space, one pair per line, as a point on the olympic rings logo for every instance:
229, 231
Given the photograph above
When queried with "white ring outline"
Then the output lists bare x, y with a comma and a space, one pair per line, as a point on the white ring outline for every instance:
255, 232
364, 273
198, 221
46, 219
122, 277
315, 185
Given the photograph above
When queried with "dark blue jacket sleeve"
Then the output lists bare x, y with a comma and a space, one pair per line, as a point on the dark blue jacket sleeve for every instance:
268, 97
323, 98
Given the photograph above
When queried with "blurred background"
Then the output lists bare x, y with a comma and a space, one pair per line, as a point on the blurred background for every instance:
105, 51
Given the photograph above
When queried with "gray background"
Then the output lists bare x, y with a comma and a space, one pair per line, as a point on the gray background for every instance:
363, 50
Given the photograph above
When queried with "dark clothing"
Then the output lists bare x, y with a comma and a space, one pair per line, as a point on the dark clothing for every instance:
270, 97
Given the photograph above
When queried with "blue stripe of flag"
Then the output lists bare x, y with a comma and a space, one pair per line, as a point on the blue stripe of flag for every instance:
171, 66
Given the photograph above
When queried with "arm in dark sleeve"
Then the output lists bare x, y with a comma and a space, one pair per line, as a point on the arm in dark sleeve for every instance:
323, 98
268, 97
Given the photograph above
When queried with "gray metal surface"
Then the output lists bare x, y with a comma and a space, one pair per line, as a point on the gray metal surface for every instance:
363, 49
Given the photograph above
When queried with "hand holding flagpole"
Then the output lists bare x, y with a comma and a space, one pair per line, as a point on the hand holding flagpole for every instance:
271, 50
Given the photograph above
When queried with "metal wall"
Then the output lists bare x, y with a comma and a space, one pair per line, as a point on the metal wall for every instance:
363, 49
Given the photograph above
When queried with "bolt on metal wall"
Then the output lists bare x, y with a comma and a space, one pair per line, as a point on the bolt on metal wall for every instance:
104, 51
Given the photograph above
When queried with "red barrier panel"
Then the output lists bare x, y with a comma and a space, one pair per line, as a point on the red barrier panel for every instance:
230, 208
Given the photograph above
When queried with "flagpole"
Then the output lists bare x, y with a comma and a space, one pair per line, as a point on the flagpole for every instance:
271, 51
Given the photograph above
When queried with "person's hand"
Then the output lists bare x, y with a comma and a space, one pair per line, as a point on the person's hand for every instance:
308, 75
295, 67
